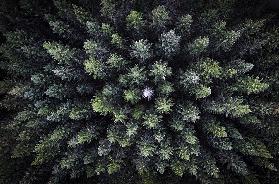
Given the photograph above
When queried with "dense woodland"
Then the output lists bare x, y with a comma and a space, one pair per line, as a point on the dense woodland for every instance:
139, 91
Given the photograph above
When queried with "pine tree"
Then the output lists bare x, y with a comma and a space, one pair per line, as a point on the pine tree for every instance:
145, 89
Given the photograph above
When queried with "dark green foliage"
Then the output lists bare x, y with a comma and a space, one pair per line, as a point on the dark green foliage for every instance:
143, 92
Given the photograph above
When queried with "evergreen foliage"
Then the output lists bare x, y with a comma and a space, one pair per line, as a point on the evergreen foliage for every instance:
144, 89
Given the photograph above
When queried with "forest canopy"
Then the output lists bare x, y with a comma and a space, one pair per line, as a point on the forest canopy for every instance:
139, 91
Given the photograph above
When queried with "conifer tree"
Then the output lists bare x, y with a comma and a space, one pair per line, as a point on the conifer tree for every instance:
146, 89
